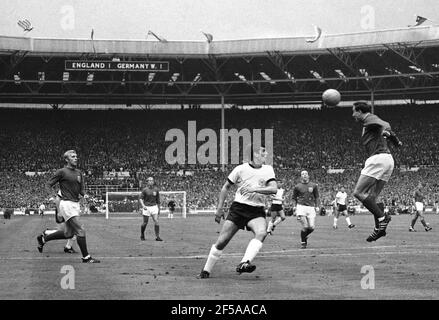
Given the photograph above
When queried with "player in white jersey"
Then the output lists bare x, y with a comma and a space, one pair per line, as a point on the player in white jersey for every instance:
276, 209
255, 181
341, 208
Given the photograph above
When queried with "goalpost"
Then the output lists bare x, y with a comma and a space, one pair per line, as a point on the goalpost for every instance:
127, 202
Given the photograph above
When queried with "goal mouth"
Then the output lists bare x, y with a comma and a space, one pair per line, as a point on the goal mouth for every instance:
127, 204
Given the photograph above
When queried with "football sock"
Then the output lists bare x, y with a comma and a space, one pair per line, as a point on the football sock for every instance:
424, 223
381, 206
70, 242
142, 229
270, 226
213, 257
49, 231
82, 243
370, 205
303, 235
335, 221
414, 221
252, 250
54, 236
348, 221
157, 230
277, 221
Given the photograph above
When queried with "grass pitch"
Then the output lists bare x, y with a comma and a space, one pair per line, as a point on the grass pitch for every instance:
404, 263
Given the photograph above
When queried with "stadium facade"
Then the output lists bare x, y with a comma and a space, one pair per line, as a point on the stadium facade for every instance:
375, 65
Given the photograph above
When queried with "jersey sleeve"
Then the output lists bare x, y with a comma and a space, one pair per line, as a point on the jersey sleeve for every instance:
234, 176
55, 178
82, 189
270, 175
316, 191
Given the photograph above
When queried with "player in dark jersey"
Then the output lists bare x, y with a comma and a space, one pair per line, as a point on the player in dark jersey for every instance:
71, 184
171, 207
378, 167
418, 199
306, 202
150, 203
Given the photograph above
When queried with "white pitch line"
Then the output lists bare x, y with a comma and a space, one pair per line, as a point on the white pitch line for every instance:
269, 254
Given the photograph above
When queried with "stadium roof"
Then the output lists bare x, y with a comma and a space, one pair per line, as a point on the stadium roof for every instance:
394, 64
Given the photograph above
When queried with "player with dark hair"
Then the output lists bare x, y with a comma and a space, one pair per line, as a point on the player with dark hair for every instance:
254, 180
378, 167
171, 207
71, 185
150, 203
306, 202
418, 199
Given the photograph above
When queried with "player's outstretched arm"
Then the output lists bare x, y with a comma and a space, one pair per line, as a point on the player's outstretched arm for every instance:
391, 136
222, 197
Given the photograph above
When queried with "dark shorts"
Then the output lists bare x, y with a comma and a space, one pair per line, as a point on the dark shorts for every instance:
276, 207
341, 207
240, 214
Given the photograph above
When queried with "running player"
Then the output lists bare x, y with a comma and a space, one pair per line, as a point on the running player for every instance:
341, 208
71, 185
254, 180
276, 210
418, 199
378, 167
150, 203
306, 202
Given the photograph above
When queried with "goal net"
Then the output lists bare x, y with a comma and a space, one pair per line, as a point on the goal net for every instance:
127, 203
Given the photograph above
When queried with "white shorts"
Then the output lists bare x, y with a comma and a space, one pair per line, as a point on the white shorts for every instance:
69, 209
379, 166
307, 211
150, 210
419, 206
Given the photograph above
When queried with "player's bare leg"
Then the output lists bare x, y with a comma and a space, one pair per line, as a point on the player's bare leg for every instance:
50, 235
78, 229
424, 223
155, 219
307, 228
367, 190
376, 191
258, 226
336, 215
143, 227
69, 245
227, 232
277, 217
348, 220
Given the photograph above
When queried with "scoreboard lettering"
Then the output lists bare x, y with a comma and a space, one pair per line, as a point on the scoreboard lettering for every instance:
149, 66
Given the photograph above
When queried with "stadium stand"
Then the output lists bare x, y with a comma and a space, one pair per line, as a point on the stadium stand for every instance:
110, 142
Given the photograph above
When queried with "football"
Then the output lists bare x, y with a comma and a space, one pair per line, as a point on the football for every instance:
331, 97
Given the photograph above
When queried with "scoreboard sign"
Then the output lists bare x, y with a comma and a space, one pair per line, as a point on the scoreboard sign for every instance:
149, 66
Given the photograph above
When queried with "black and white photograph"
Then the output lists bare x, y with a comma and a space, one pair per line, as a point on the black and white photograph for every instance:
215, 157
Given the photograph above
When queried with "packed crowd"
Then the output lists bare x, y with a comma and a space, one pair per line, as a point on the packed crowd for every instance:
134, 141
